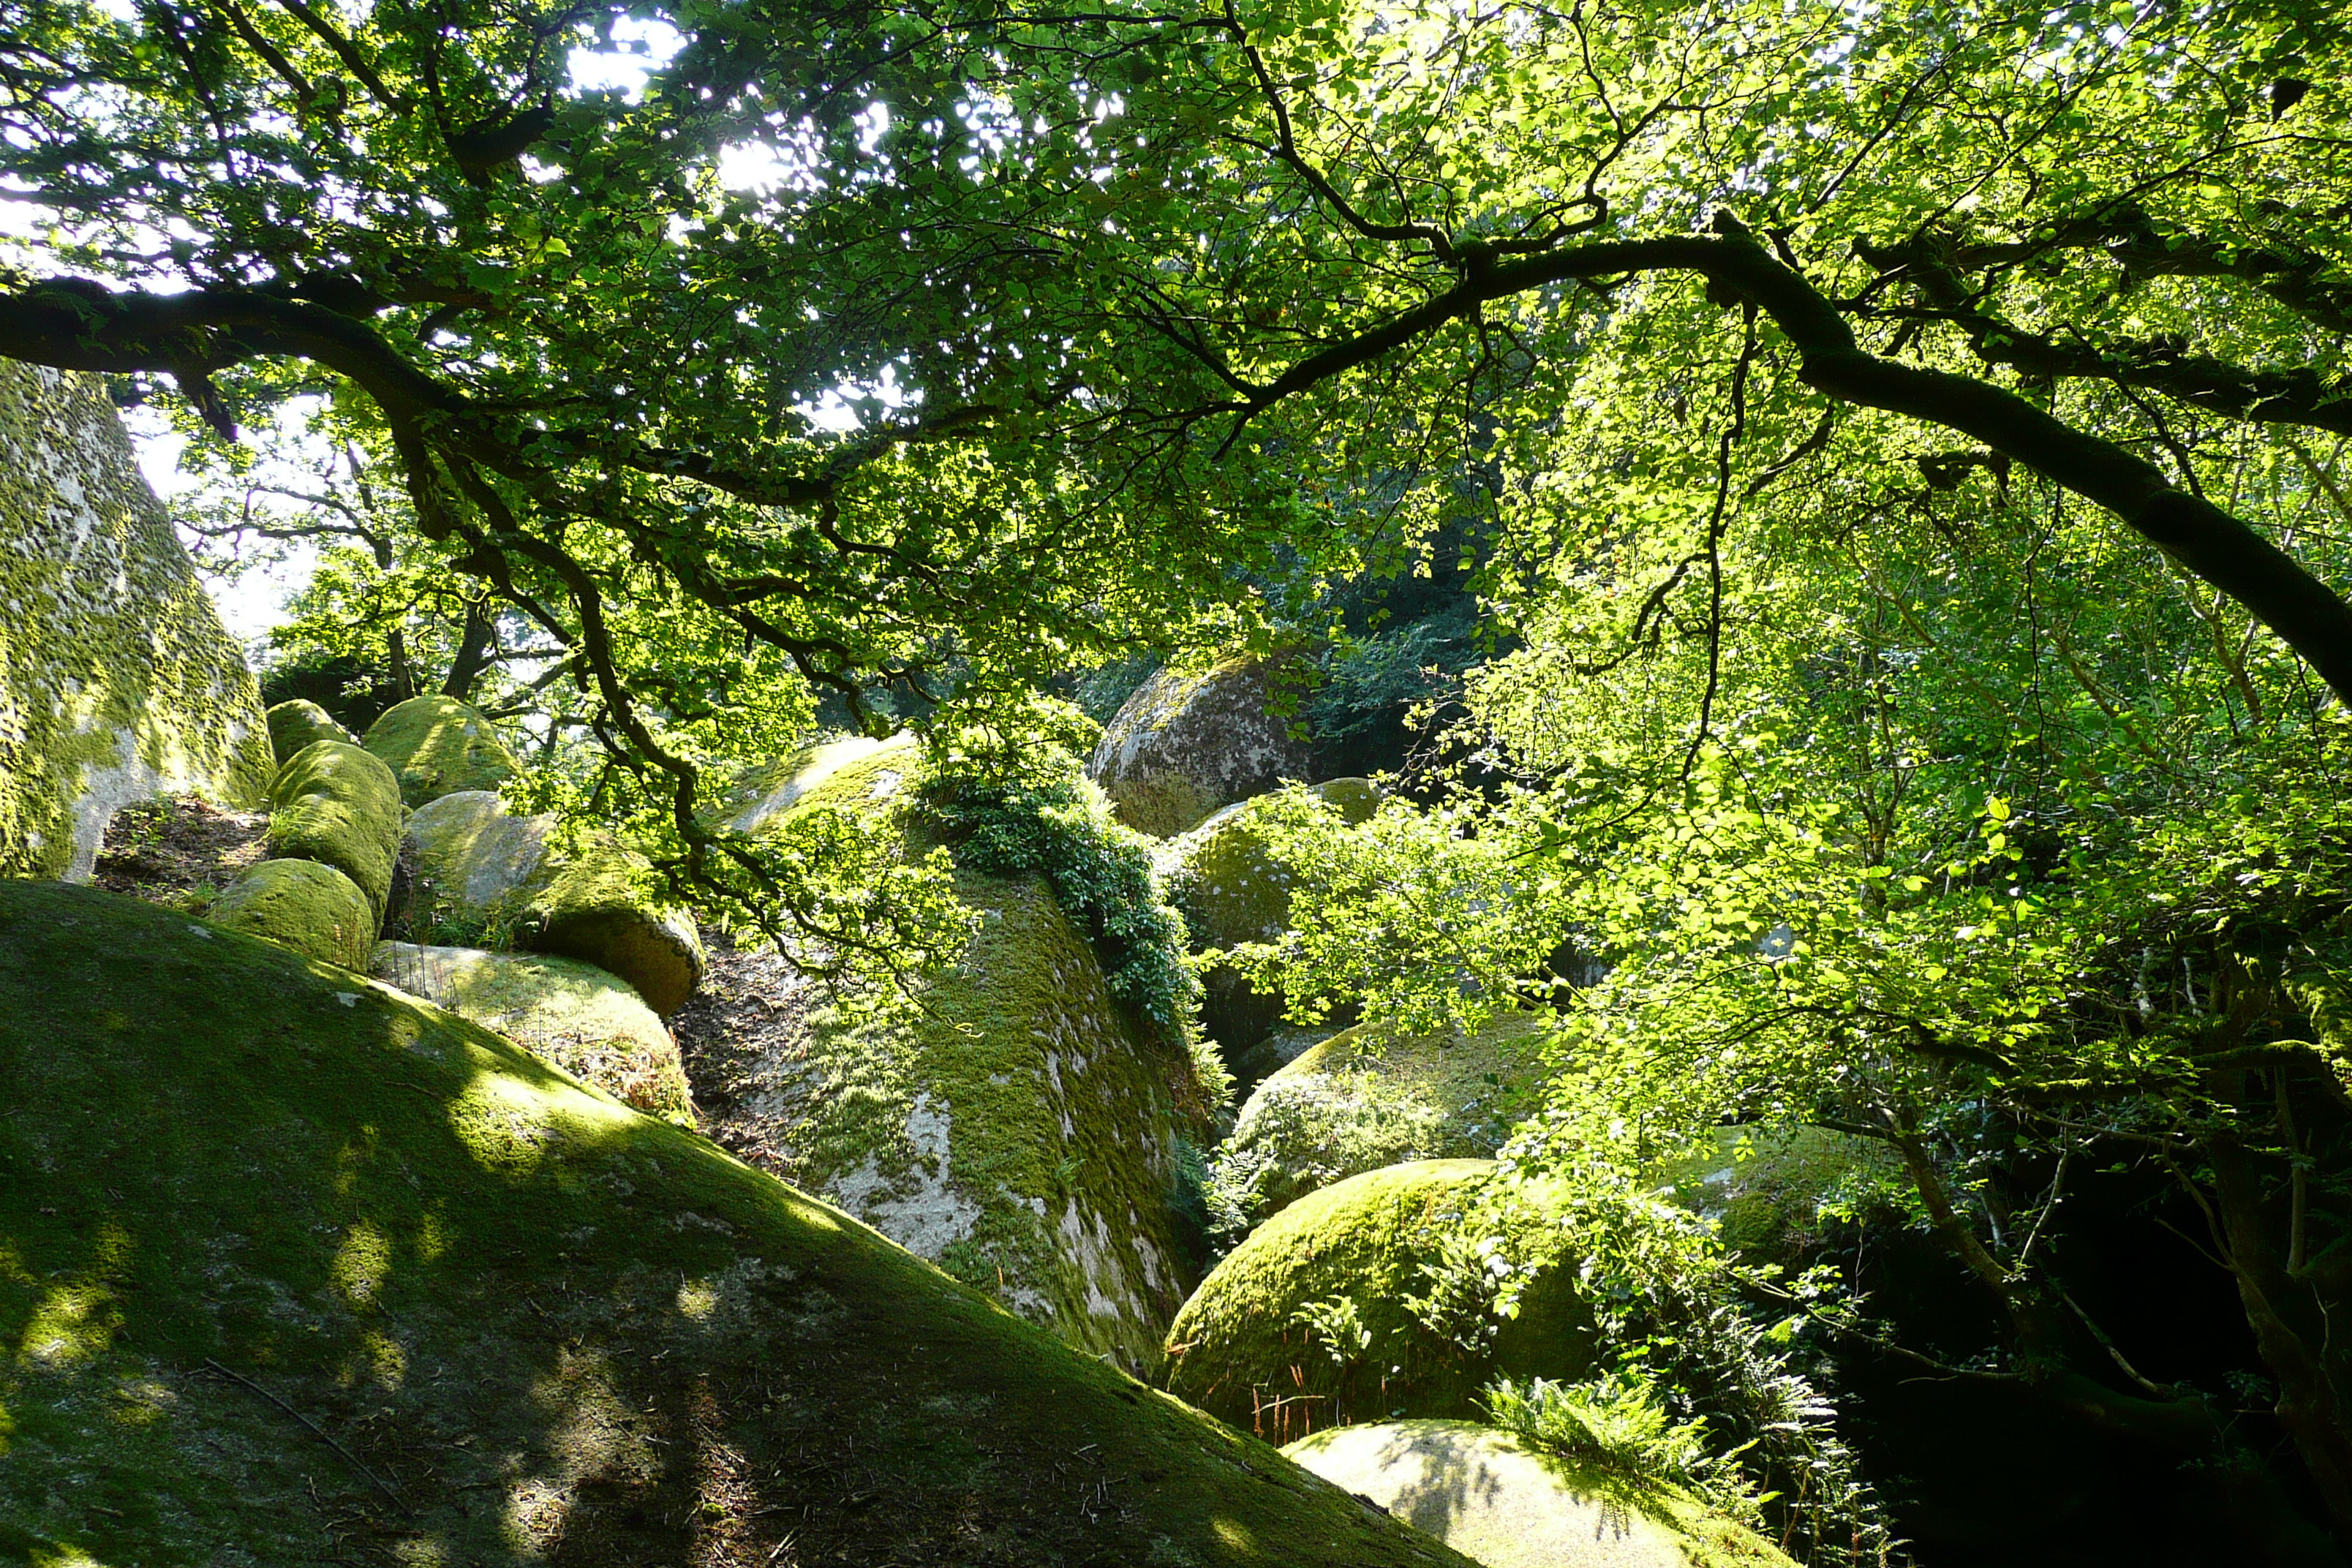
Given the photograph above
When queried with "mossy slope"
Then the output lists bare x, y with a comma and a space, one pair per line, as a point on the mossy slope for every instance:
117, 680
305, 905
339, 805
288, 1205
1238, 1351
1490, 1495
1021, 1131
437, 745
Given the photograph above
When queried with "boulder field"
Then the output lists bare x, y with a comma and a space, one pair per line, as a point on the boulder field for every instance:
294, 1268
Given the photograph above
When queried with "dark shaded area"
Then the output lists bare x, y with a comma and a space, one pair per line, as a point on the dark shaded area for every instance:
177, 850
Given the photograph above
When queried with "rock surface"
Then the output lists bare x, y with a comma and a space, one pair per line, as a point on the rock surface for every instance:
1184, 746
437, 745
1493, 1498
1368, 1097
1240, 1350
1776, 1192
317, 1264
338, 805
1020, 1131
117, 680
305, 905
481, 876
583, 1020
296, 724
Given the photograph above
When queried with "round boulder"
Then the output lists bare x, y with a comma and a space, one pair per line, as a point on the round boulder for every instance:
1373, 1298
339, 805
581, 1019
1501, 1502
296, 724
1184, 745
436, 745
1370, 1097
305, 905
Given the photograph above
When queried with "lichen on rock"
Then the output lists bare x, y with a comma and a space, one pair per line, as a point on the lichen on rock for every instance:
585, 1020
305, 905
339, 805
437, 745
117, 680
1368, 1299
1370, 1097
296, 724
533, 1325
1184, 745
1505, 1504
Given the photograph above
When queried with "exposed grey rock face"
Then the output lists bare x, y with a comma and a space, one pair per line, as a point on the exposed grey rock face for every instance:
1184, 746
117, 682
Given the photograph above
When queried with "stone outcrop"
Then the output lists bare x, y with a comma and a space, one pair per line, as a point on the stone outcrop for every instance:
1183, 746
313, 1264
335, 804
1311, 1323
1021, 1131
437, 745
117, 680
586, 1021
1502, 1503
305, 905
481, 877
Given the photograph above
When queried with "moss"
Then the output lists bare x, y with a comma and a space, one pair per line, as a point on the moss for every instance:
296, 724
1776, 1193
305, 905
1493, 1498
339, 805
1370, 1243
1182, 746
586, 1021
117, 681
437, 745
594, 909
536, 1317
1370, 1097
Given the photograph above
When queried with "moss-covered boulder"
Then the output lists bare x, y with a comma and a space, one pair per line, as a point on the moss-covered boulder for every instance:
1503, 1503
315, 1272
1372, 1097
479, 876
585, 1019
117, 682
1022, 1130
437, 745
339, 805
1370, 1299
296, 724
305, 905
1184, 745
1776, 1193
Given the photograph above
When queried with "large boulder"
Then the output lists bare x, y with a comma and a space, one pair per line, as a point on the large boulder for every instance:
437, 745
1224, 878
1369, 1299
1372, 1097
117, 680
480, 877
1022, 1130
1503, 1503
296, 724
1779, 1194
338, 805
305, 905
1184, 745
312, 1266
583, 1020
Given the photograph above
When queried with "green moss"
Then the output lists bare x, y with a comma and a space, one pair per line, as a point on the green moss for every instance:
117, 681
1372, 1245
527, 1312
339, 805
305, 905
1776, 1193
1184, 745
594, 909
588, 1021
1493, 1498
296, 724
437, 745
1368, 1097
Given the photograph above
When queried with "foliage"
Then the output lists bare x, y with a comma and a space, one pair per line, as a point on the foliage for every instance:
1615, 1421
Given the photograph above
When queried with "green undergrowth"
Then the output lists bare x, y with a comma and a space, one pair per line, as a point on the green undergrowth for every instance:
315, 1272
